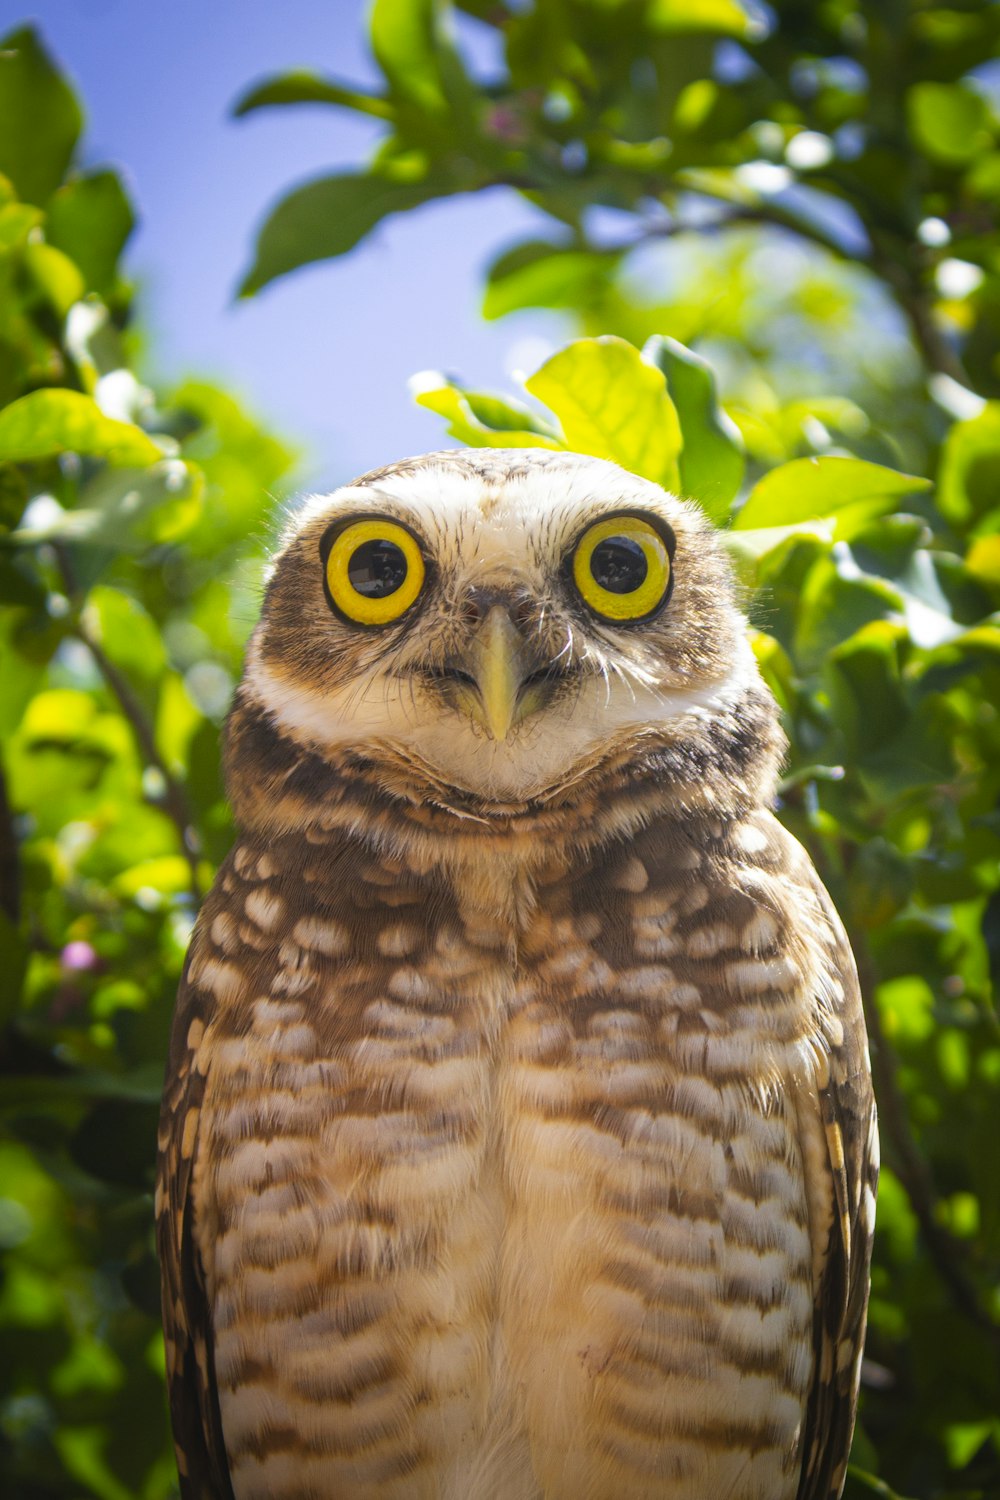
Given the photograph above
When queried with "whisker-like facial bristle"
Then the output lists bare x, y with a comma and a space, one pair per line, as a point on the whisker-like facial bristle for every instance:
500, 523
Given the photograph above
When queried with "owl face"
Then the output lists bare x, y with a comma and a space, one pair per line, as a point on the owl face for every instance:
503, 620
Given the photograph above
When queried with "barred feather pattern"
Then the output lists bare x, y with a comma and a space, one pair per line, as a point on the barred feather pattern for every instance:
521, 1161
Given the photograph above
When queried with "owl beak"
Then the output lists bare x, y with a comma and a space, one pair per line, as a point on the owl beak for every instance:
499, 665
491, 680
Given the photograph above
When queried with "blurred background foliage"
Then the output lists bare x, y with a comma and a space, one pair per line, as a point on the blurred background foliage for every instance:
799, 198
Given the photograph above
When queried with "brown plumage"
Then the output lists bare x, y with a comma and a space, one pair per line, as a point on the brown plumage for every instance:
518, 1138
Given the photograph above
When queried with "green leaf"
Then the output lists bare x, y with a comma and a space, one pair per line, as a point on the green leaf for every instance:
56, 276
964, 1440
300, 87
697, 15
711, 461
983, 560
612, 403
869, 1484
40, 118
327, 217
90, 218
405, 38
969, 477
748, 549
169, 875
907, 1007
480, 419
540, 274
46, 423
17, 220
837, 600
127, 634
135, 510
14, 496
863, 677
808, 488
948, 121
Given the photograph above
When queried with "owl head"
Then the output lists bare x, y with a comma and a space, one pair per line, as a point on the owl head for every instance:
500, 620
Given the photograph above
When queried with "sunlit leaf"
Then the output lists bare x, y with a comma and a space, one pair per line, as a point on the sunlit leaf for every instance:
613, 404
948, 120
482, 420
983, 560
51, 422
697, 15
168, 875
964, 1440
808, 488
56, 276
17, 220
969, 478
405, 40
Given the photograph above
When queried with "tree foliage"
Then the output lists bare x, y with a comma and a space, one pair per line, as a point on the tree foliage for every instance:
775, 234
131, 531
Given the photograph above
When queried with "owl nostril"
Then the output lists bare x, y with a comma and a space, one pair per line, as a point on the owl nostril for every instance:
453, 674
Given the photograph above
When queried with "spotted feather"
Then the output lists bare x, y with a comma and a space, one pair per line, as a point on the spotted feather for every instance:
518, 1140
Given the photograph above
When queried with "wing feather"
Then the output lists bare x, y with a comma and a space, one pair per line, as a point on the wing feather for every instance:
187, 1323
840, 1112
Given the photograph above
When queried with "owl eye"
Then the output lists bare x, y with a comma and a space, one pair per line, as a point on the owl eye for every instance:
621, 568
374, 571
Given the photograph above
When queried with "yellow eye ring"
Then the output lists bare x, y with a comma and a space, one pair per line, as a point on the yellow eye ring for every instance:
374, 571
622, 569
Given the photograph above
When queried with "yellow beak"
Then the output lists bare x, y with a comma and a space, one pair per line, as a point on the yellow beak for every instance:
497, 660
498, 678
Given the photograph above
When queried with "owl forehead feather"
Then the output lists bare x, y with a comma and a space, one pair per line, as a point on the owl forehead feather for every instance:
487, 505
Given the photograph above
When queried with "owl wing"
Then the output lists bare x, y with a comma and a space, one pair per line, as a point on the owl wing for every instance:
838, 1117
187, 1324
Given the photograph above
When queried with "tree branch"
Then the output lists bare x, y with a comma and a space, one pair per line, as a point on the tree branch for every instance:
175, 802
935, 350
945, 1251
10, 878
938, 354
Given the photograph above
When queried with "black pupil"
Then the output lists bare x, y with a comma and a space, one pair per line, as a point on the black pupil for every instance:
377, 569
619, 565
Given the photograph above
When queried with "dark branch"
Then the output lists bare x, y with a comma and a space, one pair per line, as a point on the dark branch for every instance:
945, 1251
174, 799
10, 875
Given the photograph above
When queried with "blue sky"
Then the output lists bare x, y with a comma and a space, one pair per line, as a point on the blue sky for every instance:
323, 355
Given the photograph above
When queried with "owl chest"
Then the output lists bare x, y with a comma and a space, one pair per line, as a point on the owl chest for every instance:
487, 1224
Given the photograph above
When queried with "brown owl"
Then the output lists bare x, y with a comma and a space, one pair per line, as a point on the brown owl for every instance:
518, 1140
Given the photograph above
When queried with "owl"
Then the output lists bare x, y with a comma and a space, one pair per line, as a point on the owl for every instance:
518, 1139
